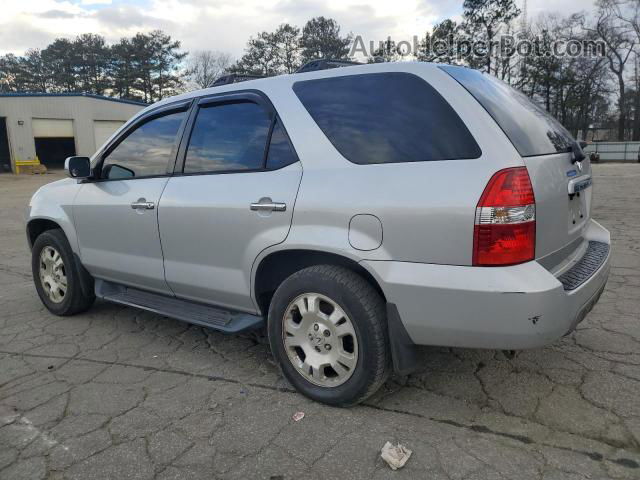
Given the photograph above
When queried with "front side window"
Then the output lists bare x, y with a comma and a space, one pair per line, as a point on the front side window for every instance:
386, 118
228, 137
146, 151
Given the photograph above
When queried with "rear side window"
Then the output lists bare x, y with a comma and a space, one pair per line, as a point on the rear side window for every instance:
280, 153
386, 118
228, 137
531, 129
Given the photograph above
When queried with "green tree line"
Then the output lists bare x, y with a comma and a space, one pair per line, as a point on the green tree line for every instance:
152, 66
146, 67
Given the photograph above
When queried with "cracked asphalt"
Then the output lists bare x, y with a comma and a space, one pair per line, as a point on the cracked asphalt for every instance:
118, 393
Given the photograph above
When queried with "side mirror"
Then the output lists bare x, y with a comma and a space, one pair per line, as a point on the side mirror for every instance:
78, 167
583, 144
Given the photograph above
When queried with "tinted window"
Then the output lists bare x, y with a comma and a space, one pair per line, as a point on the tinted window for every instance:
146, 151
531, 129
231, 136
386, 118
280, 153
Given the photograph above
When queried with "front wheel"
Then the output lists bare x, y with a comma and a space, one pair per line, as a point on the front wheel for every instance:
328, 332
56, 277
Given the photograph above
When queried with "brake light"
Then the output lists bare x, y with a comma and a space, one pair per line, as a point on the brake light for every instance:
505, 225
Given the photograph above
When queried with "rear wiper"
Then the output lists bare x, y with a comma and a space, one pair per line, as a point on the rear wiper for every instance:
578, 154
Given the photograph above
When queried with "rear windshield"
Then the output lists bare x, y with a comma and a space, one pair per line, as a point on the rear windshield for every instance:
531, 129
386, 118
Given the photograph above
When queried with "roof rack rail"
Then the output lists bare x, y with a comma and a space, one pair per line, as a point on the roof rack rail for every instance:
234, 78
325, 64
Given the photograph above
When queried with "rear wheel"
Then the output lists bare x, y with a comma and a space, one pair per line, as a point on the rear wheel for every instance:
56, 277
328, 331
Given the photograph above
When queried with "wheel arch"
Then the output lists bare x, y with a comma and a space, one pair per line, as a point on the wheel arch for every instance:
37, 226
276, 266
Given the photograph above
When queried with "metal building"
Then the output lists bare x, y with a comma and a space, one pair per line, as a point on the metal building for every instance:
54, 126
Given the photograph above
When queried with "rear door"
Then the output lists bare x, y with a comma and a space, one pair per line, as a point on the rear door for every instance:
231, 197
547, 151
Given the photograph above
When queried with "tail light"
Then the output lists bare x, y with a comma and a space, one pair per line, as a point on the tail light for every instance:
505, 226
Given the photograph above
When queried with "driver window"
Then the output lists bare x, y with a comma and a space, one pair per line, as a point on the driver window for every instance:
146, 151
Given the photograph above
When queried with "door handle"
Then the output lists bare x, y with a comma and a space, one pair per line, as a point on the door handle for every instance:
268, 206
142, 204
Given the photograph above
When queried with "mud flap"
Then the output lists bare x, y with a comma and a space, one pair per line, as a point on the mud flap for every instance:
403, 351
86, 280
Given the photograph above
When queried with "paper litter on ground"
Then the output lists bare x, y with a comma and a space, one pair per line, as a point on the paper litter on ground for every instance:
395, 455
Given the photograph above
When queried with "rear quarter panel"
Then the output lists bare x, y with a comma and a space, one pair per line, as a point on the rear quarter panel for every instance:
426, 208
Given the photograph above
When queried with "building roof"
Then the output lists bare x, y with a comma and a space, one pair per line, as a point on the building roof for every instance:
88, 95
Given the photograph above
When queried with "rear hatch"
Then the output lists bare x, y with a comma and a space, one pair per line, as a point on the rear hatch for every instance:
562, 187
561, 218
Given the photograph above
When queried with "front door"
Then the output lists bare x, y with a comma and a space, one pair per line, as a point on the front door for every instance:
233, 197
116, 215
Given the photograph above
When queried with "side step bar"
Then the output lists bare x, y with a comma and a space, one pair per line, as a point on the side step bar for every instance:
226, 321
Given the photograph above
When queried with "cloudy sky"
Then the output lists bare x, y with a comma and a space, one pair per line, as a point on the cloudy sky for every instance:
226, 24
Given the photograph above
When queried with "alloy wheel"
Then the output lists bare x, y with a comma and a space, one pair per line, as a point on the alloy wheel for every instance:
52, 274
320, 340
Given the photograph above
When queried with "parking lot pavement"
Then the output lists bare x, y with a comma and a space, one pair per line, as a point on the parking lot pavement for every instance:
118, 393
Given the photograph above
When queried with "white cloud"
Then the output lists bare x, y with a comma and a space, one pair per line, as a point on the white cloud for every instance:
566, 7
226, 24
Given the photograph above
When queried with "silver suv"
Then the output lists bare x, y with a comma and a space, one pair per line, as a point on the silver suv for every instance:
354, 213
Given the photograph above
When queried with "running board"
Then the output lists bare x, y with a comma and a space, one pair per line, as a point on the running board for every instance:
226, 321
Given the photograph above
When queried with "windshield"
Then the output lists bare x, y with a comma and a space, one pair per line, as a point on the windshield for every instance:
531, 129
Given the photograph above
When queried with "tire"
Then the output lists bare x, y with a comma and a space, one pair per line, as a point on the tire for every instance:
74, 299
353, 313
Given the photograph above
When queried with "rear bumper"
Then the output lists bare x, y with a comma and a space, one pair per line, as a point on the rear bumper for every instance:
517, 307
